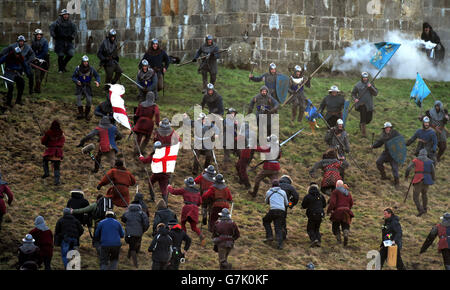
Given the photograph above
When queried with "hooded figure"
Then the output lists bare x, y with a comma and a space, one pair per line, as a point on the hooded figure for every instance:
428, 34
438, 119
54, 140
109, 57
143, 119
78, 201
441, 230
340, 205
265, 103
139, 199
424, 176
161, 248
165, 134
68, 231
44, 240
213, 100
363, 94
158, 60
278, 201
270, 80
314, 203
163, 215
148, 79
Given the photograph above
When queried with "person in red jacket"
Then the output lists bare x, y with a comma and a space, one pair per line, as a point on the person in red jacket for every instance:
54, 140
206, 180
340, 205
4, 189
271, 168
143, 119
122, 179
43, 237
220, 196
192, 200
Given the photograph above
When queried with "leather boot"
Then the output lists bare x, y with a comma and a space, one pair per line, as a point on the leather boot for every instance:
338, 237
346, 232
363, 129
87, 111
396, 183
294, 112
80, 113
383, 175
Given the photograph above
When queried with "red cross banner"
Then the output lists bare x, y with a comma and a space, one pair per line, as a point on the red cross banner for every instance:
165, 158
118, 105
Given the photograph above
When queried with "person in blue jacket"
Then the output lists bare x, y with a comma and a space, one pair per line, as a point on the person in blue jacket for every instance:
427, 139
109, 232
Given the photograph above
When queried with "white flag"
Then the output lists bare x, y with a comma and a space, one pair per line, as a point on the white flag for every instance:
118, 105
165, 158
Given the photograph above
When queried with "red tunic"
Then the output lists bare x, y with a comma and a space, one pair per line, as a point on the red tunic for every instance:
220, 197
44, 240
4, 189
341, 206
54, 141
331, 174
145, 124
204, 183
122, 179
192, 200
270, 164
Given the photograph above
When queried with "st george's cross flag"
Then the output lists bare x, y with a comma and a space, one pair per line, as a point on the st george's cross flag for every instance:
116, 92
165, 158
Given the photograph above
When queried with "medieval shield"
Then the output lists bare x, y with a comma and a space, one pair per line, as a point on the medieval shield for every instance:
345, 113
282, 87
397, 149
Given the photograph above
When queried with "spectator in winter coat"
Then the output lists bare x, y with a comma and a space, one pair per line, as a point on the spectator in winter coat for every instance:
54, 140
68, 231
161, 248
78, 201
163, 215
391, 230
292, 196
43, 237
314, 203
139, 199
109, 231
4, 190
340, 205
277, 199
178, 236
28, 253
136, 224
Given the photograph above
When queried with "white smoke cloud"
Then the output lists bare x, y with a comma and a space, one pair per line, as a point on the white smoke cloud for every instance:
406, 62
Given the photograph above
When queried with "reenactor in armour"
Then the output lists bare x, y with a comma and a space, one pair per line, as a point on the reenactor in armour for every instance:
363, 94
297, 84
427, 139
209, 63
438, 119
146, 78
109, 58
82, 77
40, 48
158, 60
63, 31
270, 80
441, 230
334, 102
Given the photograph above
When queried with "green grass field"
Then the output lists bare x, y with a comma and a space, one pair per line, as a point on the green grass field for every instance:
21, 151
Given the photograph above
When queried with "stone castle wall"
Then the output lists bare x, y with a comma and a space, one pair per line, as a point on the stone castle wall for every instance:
281, 31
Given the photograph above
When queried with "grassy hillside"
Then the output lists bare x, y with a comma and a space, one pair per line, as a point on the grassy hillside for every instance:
20, 164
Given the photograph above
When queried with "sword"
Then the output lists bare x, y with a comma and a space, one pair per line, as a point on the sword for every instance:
3, 72
138, 85
287, 140
215, 160
9, 80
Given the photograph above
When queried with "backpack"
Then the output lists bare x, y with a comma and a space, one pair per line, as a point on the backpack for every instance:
103, 205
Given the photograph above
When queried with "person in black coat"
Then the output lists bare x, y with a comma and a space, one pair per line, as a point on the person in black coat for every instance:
391, 230
78, 201
161, 248
292, 195
68, 231
428, 34
28, 254
163, 215
314, 203
178, 236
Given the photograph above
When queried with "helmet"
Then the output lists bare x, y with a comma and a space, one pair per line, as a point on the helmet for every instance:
272, 138
340, 122
38, 31
219, 178
426, 119
208, 37
189, 182
157, 145
144, 62
210, 170
154, 41
85, 58
333, 89
165, 123
387, 124
21, 38
297, 68
112, 32
64, 11
17, 50
225, 213
202, 115
310, 266
364, 75
210, 86
231, 110
28, 239
273, 66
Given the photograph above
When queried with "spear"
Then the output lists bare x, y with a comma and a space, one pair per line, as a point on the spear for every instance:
202, 57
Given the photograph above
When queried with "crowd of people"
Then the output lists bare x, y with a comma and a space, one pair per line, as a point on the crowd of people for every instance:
206, 191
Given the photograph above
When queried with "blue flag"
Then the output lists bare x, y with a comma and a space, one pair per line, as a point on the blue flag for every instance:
311, 112
385, 51
420, 91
